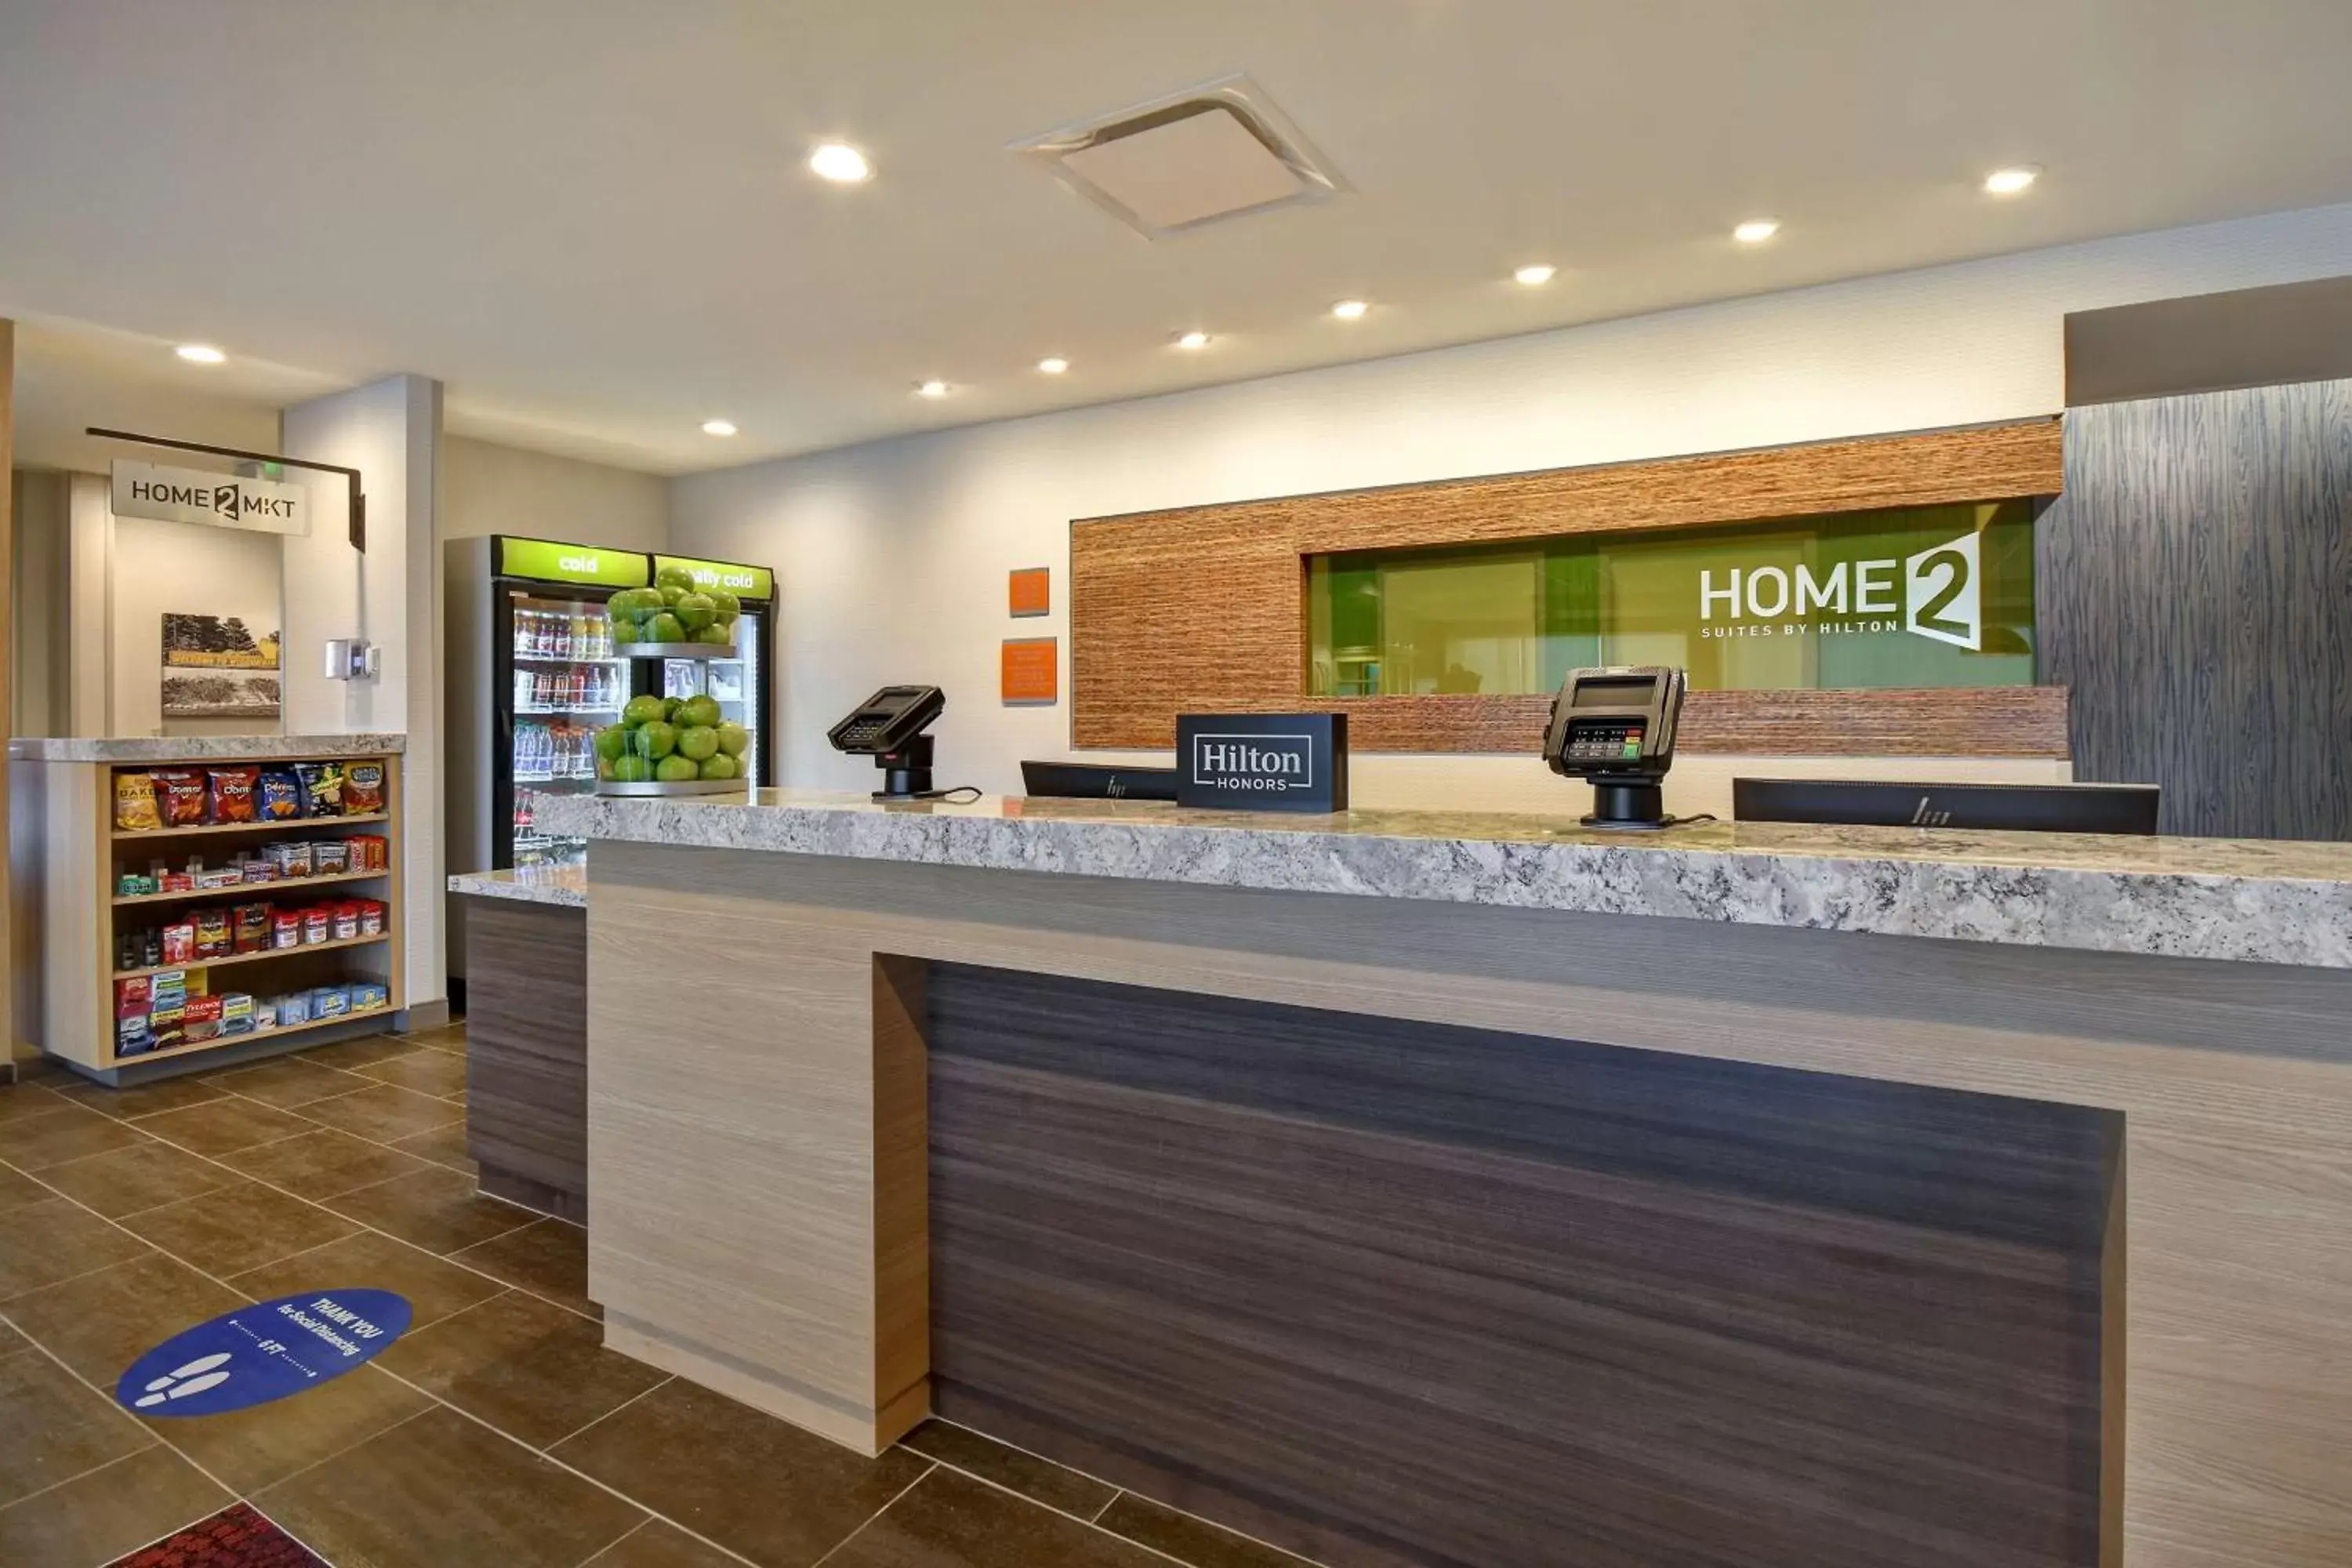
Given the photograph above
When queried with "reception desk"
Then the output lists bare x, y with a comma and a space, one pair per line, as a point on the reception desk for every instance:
1407, 1188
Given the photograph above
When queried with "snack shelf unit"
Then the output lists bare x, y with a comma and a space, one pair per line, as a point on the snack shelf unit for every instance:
82, 853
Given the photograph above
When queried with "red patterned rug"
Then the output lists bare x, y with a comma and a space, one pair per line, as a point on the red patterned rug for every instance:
236, 1537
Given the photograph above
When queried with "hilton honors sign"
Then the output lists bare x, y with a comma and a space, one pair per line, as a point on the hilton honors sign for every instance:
1262, 761
222, 500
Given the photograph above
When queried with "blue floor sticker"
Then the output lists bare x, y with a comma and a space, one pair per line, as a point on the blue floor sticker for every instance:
265, 1351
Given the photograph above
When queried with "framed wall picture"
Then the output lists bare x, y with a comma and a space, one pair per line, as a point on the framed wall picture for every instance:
216, 667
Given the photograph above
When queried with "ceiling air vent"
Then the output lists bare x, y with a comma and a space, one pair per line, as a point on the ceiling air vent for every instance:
1195, 157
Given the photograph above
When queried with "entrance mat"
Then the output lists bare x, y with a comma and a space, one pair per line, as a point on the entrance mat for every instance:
236, 1537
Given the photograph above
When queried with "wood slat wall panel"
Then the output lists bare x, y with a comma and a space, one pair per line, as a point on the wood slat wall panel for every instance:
2196, 594
1496, 1300
527, 1053
1204, 607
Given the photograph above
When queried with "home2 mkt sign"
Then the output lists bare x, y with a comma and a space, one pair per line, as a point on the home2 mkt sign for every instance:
221, 501
1937, 593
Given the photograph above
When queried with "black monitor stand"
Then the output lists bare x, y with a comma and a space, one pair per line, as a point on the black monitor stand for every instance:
907, 772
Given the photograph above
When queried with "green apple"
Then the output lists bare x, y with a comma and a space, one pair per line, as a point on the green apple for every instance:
633, 770
665, 627
625, 632
654, 740
721, 766
728, 604
695, 611
675, 769
605, 767
733, 739
718, 634
699, 711
670, 706
642, 710
671, 594
700, 744
611, 742
674, 577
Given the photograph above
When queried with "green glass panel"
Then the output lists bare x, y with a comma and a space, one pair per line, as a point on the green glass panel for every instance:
1915, 596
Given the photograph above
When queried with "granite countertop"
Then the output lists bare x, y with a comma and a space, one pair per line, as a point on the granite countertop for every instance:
197, 748
2250, 899
564, 886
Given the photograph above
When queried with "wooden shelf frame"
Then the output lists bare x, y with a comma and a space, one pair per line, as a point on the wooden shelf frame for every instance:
224, 961
295, 826
251, 891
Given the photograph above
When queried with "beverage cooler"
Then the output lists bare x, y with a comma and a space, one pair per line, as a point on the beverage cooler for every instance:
535, 669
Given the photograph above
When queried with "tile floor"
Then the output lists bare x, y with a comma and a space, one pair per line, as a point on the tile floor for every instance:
497, 1432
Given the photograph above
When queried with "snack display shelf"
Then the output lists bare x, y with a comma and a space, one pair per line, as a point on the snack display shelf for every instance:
189, 1047
277, 825
252, 890
226, 959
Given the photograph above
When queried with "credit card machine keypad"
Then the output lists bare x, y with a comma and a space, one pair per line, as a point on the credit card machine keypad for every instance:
1589, 742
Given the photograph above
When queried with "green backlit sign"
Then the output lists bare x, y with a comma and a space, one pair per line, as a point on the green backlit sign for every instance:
1916, 596
549, 562
743, 581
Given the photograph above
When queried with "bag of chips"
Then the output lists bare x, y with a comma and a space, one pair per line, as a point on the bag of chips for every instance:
277, 797
363, 788
231, 793
181, 791
321, 786
134, 802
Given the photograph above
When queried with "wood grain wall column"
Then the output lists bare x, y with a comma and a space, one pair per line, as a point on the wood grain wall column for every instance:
8, 682
1204, 608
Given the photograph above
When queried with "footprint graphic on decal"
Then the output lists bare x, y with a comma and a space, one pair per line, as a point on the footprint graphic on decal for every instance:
194, 1378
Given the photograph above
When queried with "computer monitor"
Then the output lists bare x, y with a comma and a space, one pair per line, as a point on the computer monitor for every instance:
1095, 781
1886, 803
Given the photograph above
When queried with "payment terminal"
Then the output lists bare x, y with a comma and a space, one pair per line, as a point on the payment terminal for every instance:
889, 727
1615, 726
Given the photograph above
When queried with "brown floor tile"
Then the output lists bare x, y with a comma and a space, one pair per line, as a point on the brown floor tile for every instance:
758, 1486
147, 1175
448, 1037
324, 1163
441, 1074
289, 1082
1190, 1540
142, 1099
529, 1369
433, 1289
22, 1100
437, 1210
44, 1243
442, 1492
65, 1132
1040, 1480
12, 1342
226, 1233
951, 1521
443, 1146
99, 1517
657, 1543
350, 1053
256, 1447
16, 1189
57, 1427
223, 1126
383, 1113
549, 1258
100, 1323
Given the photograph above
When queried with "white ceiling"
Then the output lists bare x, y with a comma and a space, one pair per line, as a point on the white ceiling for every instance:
591, 217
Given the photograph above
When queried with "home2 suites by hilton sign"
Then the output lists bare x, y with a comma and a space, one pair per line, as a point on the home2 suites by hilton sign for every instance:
1937, 594
222, 500
1262, 761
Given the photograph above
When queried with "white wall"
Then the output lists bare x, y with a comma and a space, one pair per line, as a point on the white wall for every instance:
891, 557
391, 431
487, 489
188, 568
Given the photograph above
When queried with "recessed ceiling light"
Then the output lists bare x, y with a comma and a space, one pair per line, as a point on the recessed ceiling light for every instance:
200, 353
2009, 182
841, 164
718, 428
932, 389
1537, 275
1052, 364
1349, 309
1192, 341
1755, 231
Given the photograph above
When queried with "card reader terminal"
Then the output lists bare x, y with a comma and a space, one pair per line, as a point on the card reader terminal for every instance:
1615, 726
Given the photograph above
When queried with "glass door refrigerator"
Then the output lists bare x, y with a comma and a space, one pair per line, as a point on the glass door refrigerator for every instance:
736, 679
554, 680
